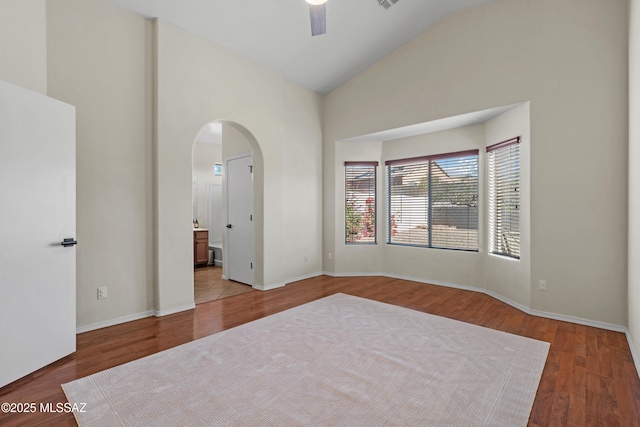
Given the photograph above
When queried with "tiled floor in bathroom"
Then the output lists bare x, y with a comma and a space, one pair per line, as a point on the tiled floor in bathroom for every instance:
209, 285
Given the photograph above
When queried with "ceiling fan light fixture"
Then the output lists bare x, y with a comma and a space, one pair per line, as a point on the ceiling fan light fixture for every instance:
316, 2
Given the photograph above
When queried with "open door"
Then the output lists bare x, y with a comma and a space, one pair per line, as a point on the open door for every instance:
37, 228
240, 219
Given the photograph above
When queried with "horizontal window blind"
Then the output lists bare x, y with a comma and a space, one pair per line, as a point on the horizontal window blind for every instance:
504, 198
433, 201
360, 202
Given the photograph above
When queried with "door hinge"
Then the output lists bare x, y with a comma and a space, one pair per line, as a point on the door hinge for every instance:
250, 168
252, 266
250, 217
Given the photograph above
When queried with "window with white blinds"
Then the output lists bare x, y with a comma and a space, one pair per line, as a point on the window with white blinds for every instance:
433, 201
504, 198
360, 202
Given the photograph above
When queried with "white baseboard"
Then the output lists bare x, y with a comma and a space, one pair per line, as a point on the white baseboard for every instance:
634, 354
217, 262
521, 307
112, 322
131, 317
269, 287
579, 321
224, 277
286, 282
160, 313
328, 273
433, 282
508, 301
305, 277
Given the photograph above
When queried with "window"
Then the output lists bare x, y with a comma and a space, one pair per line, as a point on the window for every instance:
360, 202
433, 201
504, 198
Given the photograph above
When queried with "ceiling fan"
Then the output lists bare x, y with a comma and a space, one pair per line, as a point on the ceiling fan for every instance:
318, 14
387, 3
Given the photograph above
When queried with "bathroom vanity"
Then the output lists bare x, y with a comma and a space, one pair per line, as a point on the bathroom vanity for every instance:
200, 246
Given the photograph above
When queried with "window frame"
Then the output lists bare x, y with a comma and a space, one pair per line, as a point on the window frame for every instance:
427, 161
361, 164
493, 247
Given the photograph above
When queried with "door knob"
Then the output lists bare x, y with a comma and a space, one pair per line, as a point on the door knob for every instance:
68, 242
228, 225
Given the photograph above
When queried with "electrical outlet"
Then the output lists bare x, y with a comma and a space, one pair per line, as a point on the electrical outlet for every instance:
102, 292
330, 255
542, 285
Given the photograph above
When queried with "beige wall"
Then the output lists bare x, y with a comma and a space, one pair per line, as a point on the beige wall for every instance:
356, 259
478, 270
197, 82
234, 143
23, 43
569, 59
99, 61
134, 196
437, 265
634, 179
505, 276
302, 188
204, 156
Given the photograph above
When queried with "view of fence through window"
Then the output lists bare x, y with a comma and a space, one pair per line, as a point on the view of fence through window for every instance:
433, 201
360, 202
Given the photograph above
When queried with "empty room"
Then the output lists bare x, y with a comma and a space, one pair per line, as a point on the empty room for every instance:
415, 212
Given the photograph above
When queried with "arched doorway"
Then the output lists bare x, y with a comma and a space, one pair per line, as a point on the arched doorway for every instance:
227, 199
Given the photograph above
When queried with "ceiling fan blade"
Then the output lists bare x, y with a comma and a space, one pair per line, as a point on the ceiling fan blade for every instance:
318, 19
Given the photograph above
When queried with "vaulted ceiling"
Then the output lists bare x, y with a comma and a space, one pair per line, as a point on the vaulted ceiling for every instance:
277, 33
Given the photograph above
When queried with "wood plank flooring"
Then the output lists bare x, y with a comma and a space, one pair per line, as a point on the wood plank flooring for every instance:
589, 378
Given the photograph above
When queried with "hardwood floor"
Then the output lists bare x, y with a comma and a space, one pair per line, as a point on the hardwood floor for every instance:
589, 378
208, 285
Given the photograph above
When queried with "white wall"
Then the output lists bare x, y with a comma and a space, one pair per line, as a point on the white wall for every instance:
634, 179
99, 60
23, 43
569, 59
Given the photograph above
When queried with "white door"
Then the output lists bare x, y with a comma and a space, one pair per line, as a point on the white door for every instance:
240, 219
37, 212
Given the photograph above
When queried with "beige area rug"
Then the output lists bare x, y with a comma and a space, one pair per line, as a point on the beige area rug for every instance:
338, 361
